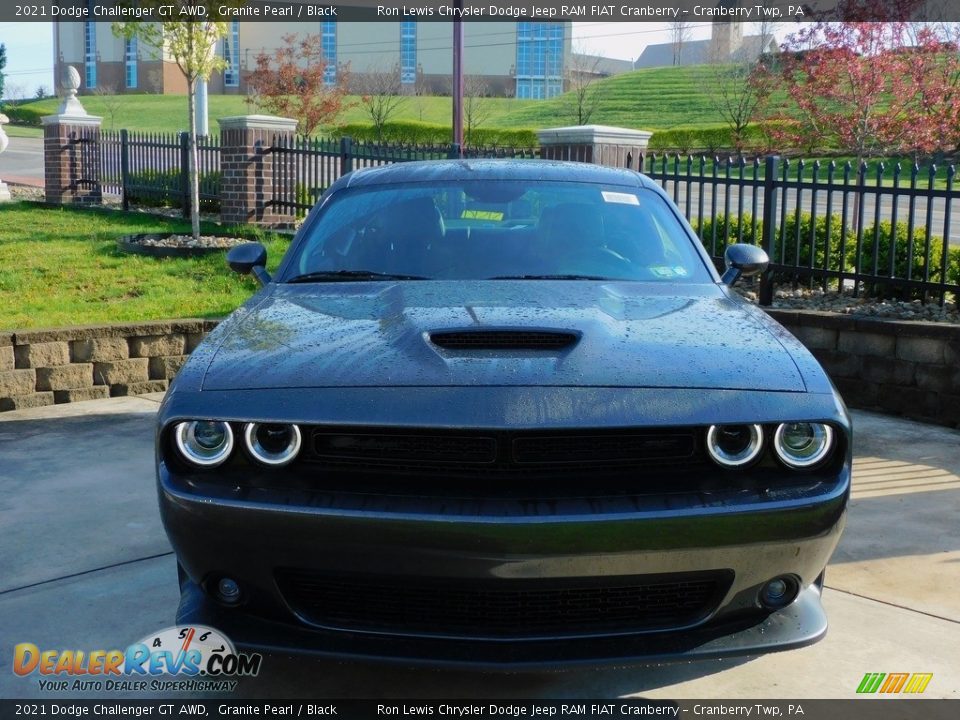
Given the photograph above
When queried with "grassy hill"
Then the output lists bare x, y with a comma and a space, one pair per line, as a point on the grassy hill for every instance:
650, 99
168, 113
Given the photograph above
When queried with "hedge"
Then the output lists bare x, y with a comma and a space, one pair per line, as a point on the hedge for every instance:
410, 132
828, 247
756, 137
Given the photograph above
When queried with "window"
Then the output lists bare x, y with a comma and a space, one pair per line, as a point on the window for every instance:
539, 67
408, 52
130, 58
328, 39
476, 229
231, 53
90, 55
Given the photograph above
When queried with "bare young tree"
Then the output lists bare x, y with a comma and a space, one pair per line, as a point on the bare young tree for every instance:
421, 91
585, 94
109, 101
766, 31
476, 105
380, 95
679, 35
738, 92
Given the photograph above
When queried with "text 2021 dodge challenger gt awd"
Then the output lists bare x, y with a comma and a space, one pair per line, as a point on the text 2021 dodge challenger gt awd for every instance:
498, 412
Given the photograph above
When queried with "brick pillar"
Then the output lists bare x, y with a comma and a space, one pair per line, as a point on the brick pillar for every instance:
71, 157
597, 144
251, 177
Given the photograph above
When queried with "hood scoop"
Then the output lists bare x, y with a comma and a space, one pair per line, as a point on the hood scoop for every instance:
504, 339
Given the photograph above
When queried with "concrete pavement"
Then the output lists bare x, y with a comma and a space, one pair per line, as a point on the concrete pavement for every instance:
22, 161
85, 564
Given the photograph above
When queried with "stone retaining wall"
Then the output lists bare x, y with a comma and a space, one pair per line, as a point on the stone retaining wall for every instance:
43, 367
898, 367
903, 368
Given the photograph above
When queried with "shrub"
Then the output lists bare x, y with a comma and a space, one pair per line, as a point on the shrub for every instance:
827, 249
757, 137
725, 231
163, 188
828, 253
409, 132
24, 114
882, 236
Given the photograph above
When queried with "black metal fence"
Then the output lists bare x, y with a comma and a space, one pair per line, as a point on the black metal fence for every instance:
151, 169
882, 228
304, 167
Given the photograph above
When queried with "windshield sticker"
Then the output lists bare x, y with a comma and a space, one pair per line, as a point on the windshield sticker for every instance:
665, 271
621, 198
482, 215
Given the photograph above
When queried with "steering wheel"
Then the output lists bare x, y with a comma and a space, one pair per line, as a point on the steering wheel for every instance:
597, 261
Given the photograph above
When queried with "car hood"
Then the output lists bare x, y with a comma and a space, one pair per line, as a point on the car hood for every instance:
378, 334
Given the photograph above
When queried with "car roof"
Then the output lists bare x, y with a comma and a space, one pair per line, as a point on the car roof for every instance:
488, 169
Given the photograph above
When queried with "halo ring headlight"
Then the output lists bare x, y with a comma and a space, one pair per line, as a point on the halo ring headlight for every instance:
804, 444
733, 446
272, 444
205, 443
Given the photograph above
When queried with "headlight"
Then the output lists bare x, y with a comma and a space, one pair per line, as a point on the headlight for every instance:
206, 443
272, 444
734, 445
803, 444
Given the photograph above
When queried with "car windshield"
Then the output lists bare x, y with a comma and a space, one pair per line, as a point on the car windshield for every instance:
496, 229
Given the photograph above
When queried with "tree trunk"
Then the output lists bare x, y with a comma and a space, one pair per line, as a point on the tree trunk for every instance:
194, 161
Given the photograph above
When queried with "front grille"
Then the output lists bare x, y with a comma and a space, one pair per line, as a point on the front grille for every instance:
396, 447
602, 448
504, 608
503, 339
504, 450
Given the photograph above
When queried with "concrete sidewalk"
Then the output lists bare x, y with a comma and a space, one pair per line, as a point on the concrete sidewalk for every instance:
86, 565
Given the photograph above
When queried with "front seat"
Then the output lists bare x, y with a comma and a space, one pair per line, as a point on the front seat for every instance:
400, 237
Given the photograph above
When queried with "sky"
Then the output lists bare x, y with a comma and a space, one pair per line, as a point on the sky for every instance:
30, 47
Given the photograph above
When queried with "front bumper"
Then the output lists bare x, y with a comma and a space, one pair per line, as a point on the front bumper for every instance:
237, 536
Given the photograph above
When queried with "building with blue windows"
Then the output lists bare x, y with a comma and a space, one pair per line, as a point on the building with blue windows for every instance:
522, 59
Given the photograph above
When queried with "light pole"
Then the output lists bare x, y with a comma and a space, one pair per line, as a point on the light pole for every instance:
458, 78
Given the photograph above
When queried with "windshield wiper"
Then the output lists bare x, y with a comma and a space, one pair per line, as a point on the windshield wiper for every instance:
348, 275
549, 277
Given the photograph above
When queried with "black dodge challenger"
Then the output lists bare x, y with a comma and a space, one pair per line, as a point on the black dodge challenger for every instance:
502, 413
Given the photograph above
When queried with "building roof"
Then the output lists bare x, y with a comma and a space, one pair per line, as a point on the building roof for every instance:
698, 52
598, 64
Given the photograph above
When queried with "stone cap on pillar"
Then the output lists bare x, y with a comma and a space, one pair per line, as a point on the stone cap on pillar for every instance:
81, 120
258, 122
593, 135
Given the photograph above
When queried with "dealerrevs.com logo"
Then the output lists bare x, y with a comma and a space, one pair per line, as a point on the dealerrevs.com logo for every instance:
202, 655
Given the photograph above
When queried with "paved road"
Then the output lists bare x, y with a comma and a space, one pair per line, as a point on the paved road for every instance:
22, 161
86, 565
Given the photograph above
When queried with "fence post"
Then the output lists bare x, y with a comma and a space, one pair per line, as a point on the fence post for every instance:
346, 155
771, 187
454, 152
124, 167
185, 172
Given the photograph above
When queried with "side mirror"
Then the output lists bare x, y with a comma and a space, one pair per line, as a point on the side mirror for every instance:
249, 258
743, 260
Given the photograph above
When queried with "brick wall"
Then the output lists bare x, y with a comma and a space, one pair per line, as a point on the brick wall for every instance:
897, 367
43, 367
902, 368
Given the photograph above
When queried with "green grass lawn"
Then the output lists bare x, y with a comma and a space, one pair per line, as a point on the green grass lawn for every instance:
651, 99
168, 113
19, 131
62, 267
